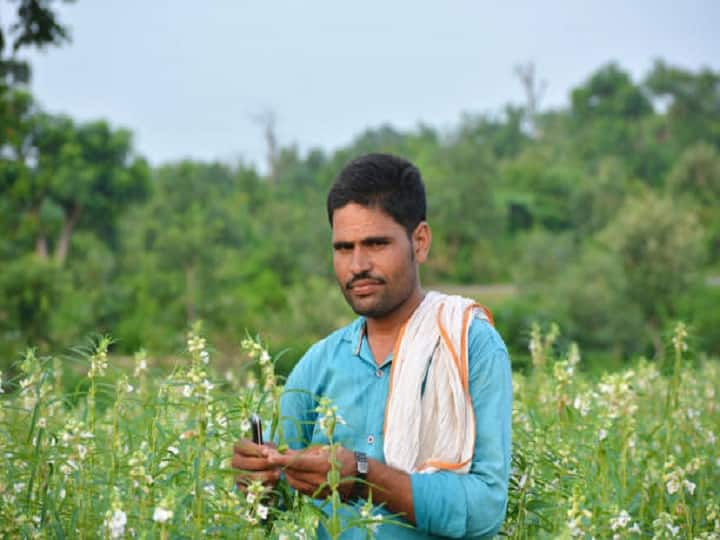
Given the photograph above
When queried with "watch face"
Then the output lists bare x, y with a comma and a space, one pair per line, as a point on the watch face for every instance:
362, 463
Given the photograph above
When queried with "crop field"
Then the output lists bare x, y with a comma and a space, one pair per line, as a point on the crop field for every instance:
141, 452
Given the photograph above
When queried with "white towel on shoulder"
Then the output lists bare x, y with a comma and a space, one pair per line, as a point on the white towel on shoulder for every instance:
435, 429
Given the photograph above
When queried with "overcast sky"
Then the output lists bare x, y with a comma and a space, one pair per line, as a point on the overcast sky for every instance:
187, 77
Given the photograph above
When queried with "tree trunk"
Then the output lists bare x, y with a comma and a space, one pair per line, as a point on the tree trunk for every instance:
190, 293
41, 249
657, 341
63, 245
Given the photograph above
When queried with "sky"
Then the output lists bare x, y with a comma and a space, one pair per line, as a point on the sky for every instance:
191, 78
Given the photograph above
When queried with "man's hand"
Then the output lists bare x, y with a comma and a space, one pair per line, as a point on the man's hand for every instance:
307, 470
253, 461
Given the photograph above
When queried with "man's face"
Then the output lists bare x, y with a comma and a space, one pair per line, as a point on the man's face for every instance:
376, 264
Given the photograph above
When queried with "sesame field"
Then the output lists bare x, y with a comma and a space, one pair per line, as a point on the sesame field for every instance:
137, 451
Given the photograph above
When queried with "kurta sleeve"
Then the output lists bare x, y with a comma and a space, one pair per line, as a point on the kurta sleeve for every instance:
473, 505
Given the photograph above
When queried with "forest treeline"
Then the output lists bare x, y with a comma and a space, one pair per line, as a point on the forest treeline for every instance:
604, 214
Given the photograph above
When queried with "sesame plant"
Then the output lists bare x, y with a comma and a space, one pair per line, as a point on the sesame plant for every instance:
132, 453
631, 455
141, 452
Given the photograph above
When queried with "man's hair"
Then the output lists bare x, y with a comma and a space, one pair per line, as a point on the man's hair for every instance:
382, 181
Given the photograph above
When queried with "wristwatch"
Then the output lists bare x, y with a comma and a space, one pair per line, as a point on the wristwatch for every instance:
361, 471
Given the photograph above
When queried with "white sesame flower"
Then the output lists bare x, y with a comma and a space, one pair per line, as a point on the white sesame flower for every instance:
140, 367
116, 524
207, 385
602, 434
42, 422
672, 485
523, 480
161, 515
689, 486
264, 357
262, 511
187, 390
621, 521
245, 425
82, 451
18, 487
205, 357
250, 498
173, 450
377, 519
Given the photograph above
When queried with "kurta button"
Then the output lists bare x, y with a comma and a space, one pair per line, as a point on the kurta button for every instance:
371, 439
379, 373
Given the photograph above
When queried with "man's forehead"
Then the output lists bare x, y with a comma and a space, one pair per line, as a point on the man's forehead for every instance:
354, 219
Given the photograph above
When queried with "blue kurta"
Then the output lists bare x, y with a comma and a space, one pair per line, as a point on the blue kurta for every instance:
447, 504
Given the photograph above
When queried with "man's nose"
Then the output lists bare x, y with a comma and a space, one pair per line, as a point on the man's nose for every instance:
360, 262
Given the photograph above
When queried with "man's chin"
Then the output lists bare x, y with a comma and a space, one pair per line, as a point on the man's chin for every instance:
370, 308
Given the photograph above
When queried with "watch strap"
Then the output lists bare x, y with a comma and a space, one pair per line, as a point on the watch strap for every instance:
361, 470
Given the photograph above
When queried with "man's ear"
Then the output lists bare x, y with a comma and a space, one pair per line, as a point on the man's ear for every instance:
421, 240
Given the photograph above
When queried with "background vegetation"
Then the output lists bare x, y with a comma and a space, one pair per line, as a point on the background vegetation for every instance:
601, 216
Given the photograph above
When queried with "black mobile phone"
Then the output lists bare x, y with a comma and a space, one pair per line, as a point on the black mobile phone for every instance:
256, 427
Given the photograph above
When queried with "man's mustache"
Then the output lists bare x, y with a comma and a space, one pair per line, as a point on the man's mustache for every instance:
364, 276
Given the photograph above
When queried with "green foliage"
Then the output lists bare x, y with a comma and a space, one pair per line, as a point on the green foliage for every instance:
630, 454
30, 290
619, 290
693, 113
136, 448
139, 449
590, 212
660, 249
35, 25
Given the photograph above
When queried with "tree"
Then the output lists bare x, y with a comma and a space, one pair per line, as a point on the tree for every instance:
693, 102
660, 248
696, 175
81, 175
538, 185
37, 25
612, 116
533, 94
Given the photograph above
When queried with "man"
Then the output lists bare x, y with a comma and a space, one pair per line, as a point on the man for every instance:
421, 381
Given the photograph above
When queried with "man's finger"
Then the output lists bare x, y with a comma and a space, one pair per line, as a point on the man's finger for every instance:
308, 477
306, 461
248, 448
308, 488
245, 463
